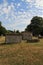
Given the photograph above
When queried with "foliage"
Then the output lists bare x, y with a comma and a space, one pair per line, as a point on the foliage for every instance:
17, 31
36, 25
2, 30
0, 23
9, 31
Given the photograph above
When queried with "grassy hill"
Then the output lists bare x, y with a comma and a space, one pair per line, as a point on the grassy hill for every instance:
21, 53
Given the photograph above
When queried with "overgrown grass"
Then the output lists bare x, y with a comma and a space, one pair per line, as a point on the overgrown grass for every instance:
22, 53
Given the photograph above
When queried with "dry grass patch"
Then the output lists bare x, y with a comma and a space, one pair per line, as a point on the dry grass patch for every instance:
2, 39
22, 54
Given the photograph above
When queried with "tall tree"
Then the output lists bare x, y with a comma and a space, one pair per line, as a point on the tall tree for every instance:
36, 25
0, 23
17, 31
2, 29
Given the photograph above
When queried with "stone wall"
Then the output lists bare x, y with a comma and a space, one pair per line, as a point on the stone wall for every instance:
13, 38
27, 36
17, 38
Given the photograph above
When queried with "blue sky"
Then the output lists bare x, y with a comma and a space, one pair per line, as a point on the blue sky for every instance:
16, 14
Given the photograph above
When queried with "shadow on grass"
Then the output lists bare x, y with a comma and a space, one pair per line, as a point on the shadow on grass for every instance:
33, 41
6, 44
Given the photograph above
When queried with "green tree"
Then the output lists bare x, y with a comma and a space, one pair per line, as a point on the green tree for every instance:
2, 29
17, 31
9, 31
0, 23
36, 25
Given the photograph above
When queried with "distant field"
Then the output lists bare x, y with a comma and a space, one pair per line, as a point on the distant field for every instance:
21, 53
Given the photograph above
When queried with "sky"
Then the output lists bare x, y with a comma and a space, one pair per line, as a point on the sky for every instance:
17, 14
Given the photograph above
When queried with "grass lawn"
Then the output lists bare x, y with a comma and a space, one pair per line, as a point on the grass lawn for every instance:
21, 53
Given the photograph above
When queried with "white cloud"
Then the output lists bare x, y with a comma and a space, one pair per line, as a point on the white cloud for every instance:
15, 18
5, 3
39, 3
5, 10
36, 3
29, 0
8, 8
18, 4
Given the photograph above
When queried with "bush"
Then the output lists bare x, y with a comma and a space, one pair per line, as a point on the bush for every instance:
33, 40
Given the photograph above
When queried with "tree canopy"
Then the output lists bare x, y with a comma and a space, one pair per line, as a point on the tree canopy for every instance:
36, 25
0, 23
2, 29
